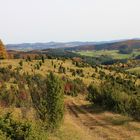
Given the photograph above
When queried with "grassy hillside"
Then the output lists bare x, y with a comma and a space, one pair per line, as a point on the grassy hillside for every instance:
23, 80
135, 70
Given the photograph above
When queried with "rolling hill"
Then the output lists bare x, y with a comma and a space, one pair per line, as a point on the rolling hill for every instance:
40, 46
134, 44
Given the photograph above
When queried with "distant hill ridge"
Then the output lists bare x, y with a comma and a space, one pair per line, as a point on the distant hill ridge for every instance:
72, 46
134, 44
41, 46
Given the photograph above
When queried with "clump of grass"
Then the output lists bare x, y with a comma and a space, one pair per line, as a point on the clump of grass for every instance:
121, 120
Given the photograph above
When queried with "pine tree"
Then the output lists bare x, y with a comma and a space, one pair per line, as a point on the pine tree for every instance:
42, 58
55, 101
21, 63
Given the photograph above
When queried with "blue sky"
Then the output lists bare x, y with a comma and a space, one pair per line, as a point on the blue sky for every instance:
68, 20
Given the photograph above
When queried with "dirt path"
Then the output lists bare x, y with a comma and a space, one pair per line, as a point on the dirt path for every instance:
96, 124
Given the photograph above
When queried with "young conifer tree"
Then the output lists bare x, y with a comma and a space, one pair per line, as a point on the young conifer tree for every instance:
55, 101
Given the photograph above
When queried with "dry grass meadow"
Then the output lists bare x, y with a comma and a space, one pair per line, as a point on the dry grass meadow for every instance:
82, 121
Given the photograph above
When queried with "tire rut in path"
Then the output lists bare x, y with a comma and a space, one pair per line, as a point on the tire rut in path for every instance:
90, 122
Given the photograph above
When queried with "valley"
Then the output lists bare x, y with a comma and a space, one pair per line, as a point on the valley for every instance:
70, 70
97, 95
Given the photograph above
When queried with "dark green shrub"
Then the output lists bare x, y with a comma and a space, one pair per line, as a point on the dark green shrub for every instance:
74, 87
62, 69
135, 107
21, 63
115, 97
38, 91
94, 94
42, 58
47, 97
13, 129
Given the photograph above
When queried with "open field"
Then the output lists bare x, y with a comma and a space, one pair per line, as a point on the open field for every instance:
136, 70
113, 53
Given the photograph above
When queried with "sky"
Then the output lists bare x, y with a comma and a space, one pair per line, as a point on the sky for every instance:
68, 20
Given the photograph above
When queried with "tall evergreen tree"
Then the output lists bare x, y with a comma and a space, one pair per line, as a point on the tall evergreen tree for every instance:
55, 101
